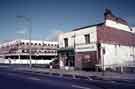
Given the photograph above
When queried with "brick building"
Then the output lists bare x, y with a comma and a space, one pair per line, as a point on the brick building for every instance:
110, 44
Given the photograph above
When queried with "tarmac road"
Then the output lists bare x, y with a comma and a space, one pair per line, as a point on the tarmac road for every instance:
13, 79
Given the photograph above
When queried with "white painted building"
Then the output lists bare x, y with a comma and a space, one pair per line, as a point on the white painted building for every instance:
18, 52
133, 29
110, 44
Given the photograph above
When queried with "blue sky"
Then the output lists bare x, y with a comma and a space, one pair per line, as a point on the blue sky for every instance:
50, 17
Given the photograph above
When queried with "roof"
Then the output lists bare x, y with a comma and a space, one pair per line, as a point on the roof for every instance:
99, 24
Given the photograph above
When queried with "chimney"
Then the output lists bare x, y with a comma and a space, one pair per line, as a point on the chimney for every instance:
108, 13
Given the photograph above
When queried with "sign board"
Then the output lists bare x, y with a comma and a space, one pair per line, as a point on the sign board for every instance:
86, 47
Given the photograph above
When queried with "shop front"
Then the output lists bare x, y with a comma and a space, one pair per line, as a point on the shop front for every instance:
67, 58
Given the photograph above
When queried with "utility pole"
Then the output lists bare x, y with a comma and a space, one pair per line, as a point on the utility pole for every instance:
74, 36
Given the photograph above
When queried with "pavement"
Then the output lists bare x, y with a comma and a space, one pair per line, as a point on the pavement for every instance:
25, 78
107, 75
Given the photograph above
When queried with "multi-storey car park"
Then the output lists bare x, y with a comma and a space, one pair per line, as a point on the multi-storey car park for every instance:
18, 52
107, 45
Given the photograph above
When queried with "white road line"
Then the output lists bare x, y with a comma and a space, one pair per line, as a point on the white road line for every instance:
33, 78
80, 87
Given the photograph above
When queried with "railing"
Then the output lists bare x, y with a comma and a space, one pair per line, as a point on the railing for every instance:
24, 61
36, 54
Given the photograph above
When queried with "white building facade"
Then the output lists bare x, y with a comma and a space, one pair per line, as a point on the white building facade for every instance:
18, 52
110, 44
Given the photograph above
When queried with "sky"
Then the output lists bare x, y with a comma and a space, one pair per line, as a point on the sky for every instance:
50, 17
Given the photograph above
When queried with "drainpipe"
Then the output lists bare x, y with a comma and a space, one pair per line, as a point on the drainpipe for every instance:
102, 56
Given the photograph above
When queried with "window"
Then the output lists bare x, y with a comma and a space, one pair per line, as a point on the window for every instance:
87, 38
66, 42
27, 43
27, 51
35, 43
44, 44
23, 51
40, 51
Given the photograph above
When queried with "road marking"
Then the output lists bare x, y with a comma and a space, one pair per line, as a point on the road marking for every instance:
80, 87
33, 78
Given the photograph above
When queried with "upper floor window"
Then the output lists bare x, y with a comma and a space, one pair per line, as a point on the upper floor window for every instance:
66, 42
39, 44
87, 38
44, 44
23, 51
23, 43
35, 43
27, 43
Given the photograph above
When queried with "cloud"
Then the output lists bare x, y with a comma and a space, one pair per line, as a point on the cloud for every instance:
53, 34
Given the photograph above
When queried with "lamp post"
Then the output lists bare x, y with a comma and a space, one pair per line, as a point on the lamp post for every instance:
74, 36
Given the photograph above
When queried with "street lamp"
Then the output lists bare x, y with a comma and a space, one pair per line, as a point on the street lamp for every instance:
74, 37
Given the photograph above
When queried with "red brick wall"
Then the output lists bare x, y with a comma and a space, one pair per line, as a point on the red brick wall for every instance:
115, 36
84, 58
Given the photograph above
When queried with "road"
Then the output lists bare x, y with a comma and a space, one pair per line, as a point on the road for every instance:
14, 79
